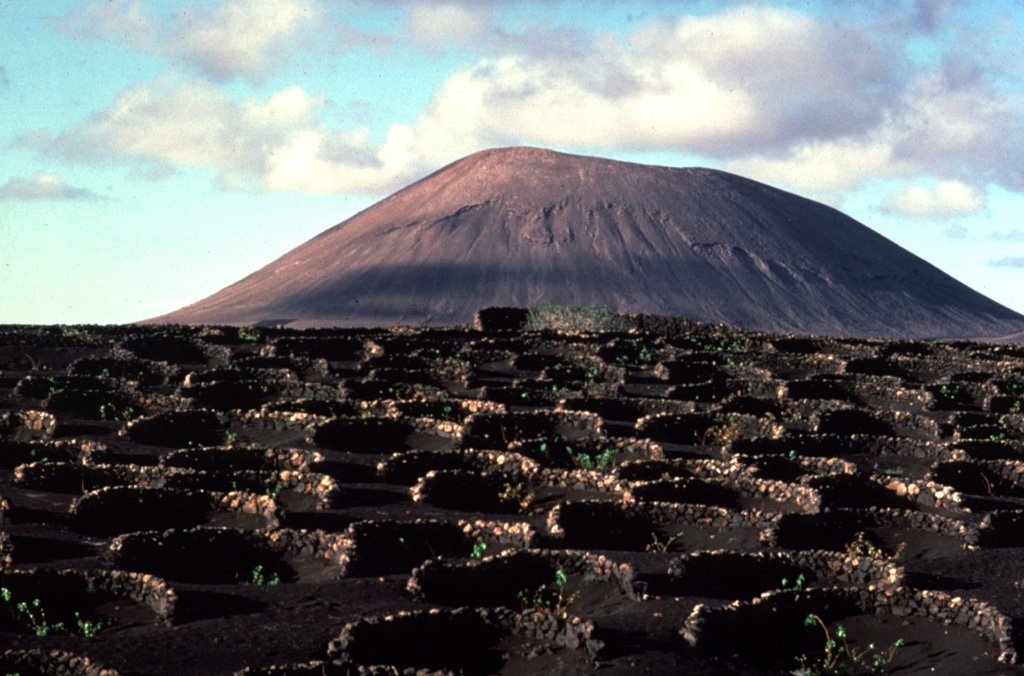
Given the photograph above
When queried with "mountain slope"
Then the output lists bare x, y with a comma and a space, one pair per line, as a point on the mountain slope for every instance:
521, 226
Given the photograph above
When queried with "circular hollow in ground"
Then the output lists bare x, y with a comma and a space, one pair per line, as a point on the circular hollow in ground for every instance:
168, 348
178, 429
497, 430
384, 547
732, 575
407, 468
458, 639
203, 556
364, 435
602, 525
124, 509
473, 492
490, 582
686, 490
975, 479
44, 602
834, 531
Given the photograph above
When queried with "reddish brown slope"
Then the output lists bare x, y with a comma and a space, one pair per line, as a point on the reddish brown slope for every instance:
521, 226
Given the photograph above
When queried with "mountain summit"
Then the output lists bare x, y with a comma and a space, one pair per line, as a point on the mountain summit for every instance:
524, 226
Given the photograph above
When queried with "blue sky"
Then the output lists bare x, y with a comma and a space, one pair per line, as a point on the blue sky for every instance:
155, 152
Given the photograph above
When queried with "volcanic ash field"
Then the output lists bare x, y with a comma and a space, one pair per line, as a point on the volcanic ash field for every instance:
676, 498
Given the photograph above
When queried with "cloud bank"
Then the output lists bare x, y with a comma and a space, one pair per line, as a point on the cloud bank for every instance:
946, 200
274, 144
810, 103
239, 38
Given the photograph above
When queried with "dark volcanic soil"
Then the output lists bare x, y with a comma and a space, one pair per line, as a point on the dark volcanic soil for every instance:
682, 499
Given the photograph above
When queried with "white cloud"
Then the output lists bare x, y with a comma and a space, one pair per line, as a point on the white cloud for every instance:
947, 199
948, 124
240, 37
43, 187
274, 144
749, 78
938, 126
821, 168
236, 38
813, 105
768, 92
119, 18
777, 95
438, 25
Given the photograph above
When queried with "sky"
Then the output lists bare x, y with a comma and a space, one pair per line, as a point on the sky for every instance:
152, 153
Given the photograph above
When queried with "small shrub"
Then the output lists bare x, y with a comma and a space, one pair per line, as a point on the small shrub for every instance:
550, 597
88, 628
861, 546
517, 493
797, 585
839, 658
261, 579
249, 333
659, 546
32, 616
605, 459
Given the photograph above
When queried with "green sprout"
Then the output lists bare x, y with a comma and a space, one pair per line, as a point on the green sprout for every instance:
838, 657
551, 598
261, 579
658, 546
32, 616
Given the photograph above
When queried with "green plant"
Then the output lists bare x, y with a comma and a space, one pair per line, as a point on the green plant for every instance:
659, 546
478, 550
839, 658
249, 333
861, 546
112, 411
88, 628
517, 493
602, 460
259, 578
951, 392
797, 586
275, 490
550, 597
30, 615
72, 332
635, 354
